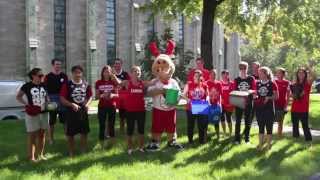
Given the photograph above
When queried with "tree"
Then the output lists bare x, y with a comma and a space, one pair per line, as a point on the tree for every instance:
291, 23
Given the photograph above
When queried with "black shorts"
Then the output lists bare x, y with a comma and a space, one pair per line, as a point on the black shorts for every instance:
122, 114
132, 117
77, 122
53, 117
226, 115
280, 113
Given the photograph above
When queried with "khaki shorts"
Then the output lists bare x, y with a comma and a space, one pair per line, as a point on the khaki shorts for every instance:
35, 123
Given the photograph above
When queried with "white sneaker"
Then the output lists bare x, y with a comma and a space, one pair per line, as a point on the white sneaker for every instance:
130, 151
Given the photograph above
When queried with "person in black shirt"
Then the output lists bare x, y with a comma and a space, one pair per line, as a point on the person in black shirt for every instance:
255, 69
76, 95
244, 83
54, 81
36, 119
121, 75
267, 92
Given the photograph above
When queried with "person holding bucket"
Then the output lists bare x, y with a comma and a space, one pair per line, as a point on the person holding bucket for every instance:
215, 90
227, 108
196, 91
244, 83
267, 92
165, 95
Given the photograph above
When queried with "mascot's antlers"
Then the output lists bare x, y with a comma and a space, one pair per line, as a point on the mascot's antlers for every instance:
169, 51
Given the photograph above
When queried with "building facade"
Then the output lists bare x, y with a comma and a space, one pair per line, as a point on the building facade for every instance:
92, 33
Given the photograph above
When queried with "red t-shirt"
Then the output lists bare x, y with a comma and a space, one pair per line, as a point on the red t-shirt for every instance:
196, 92
302, 105
205, 75
106, 87
134, 100
283, 87
227, 87
215, 91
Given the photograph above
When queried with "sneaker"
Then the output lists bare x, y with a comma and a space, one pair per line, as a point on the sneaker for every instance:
236, 142
141, 150
130, 151
152, 147
175, 145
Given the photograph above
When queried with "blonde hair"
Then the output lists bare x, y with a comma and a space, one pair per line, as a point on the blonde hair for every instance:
243, 63
134, 67
267, 71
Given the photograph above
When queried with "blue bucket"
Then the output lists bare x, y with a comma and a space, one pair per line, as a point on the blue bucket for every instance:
200, 107
214, 114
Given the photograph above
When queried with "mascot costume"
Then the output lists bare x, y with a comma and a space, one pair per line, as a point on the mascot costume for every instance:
164, 110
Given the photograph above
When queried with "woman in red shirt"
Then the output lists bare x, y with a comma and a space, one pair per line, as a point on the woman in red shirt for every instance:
196, 90
300, 90
215, 90
227, 108
106, 93
135, 106
281, 103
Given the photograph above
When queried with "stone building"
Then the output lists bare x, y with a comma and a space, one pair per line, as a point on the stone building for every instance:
91, 33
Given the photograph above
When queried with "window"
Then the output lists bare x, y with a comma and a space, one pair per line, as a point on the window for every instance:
181, 31
111, 30
60, 29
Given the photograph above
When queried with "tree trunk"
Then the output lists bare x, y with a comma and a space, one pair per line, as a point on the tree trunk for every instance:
209, 8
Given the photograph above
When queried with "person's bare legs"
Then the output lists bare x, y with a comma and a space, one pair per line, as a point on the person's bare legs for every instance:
280, 127
230, 128
170, 137
41, 143
261, 142
31, 147
130, 142
51, 134
223, 125
83, 143
141, 141
71, 145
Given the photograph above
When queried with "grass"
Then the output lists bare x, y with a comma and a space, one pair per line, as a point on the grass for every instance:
288, 158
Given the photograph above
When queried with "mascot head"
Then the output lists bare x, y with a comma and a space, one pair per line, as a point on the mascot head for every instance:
163, 67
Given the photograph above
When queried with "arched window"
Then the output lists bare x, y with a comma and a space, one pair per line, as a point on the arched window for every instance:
111, 30
60, 29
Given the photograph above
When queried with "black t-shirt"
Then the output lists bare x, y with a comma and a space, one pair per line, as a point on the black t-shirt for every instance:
76, 93
54, 82
36, 94
244, 84
265, 89
123, 76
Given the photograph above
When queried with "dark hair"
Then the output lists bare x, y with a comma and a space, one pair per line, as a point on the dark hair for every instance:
77, 67
305, 75
33, 72
200, 59
118, 59
225, 71
102, 71
55, 60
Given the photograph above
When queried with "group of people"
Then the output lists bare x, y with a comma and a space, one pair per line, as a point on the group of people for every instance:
116, 89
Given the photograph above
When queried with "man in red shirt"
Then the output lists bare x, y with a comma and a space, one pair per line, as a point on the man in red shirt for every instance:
215, 90
199, 66
227, 108
282, 102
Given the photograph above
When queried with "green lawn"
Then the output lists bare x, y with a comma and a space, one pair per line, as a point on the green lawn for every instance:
288, 159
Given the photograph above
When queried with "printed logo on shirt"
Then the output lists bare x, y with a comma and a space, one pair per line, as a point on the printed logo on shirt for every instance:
197, 93
106, 88
79, 94
136, 91
38, 96
243, 86
263, 91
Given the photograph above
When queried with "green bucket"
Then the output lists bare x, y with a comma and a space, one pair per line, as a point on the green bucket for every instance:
172, 96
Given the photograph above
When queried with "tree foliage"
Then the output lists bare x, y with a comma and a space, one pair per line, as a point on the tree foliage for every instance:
266, 23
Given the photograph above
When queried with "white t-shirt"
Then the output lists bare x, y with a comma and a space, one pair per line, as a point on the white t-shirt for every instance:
159, 100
